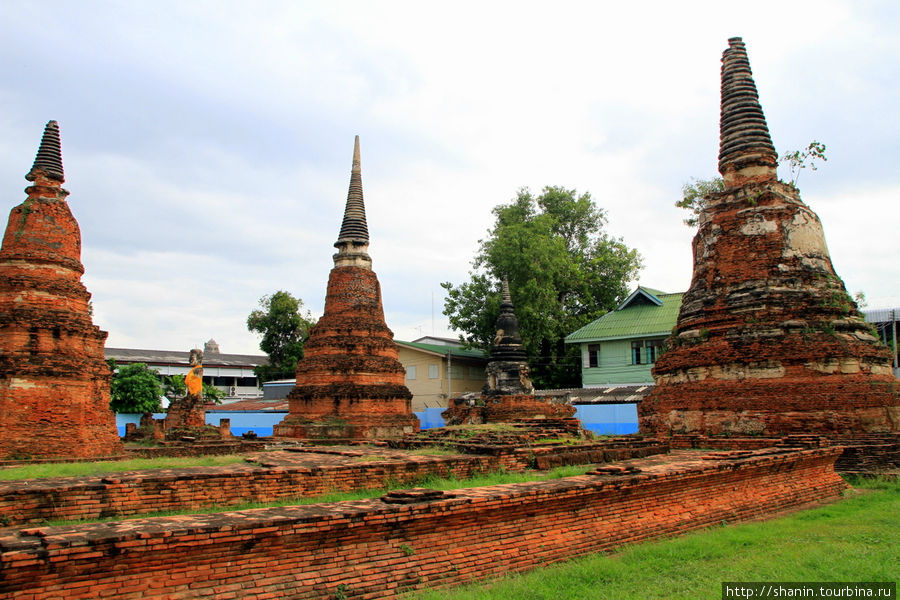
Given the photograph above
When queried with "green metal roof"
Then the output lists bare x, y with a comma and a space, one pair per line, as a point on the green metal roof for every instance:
442, 350
638, 316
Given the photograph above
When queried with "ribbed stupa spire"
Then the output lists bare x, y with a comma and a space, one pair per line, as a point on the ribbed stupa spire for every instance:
353, 228
353, 241
507, 297
49, 155
745, 146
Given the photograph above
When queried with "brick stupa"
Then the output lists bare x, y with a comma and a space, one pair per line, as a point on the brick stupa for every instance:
767, 341
350, 383
508, 394
54, 381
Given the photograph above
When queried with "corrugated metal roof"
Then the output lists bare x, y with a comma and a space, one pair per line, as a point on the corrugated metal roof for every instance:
253, 405
610, 394
174, 357
881, 315
638, 317
442, 350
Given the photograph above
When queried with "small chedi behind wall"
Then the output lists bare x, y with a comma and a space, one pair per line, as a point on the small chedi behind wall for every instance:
54, 382
350, 383
508, 394
767, 341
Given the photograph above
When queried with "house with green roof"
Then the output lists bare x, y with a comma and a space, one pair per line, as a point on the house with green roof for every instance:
439, 368
621, 346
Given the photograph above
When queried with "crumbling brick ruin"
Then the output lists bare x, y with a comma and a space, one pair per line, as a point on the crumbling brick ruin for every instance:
410, 539
767, 341
508, 394
350, 383
54, 382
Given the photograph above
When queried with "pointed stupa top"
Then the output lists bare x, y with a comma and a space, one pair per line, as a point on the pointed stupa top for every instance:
354, 228
49, 155
744, 143
508, 341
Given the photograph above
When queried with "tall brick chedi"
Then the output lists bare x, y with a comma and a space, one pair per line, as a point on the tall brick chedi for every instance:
767, 340
54, 382
350, 383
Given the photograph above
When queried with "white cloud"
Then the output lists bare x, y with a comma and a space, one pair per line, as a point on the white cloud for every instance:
207, 144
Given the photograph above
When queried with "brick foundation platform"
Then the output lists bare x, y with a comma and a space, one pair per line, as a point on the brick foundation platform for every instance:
409, 540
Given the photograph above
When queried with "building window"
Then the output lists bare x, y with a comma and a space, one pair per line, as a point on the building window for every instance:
411, 372
456, 372
637, 349
594, 355
433, 372
476, 373
654, 349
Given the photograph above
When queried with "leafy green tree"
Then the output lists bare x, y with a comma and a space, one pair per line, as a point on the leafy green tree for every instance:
283, 328
174, 387
134, 388
564, 271
212, 394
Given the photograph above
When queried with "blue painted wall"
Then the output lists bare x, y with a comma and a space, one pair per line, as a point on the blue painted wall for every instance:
602, 419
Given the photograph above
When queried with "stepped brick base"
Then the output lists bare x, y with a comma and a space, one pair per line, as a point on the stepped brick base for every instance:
505, 409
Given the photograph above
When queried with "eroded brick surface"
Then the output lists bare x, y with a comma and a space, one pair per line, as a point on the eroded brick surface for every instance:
350, 383
382, 547
54, 382
767, 341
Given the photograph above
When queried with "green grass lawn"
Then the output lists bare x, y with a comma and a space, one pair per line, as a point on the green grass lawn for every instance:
84, 469
856, 539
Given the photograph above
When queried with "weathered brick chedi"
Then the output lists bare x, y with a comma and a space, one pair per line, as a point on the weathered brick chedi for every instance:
350, 383
767, 340
508, 394
54, 382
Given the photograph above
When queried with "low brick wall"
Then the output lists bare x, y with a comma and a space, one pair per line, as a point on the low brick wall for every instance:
865, 454
379, 548
134, 493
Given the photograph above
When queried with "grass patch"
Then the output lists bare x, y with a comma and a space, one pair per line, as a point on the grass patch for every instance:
433, 450
857, 539
86, 469
430, 481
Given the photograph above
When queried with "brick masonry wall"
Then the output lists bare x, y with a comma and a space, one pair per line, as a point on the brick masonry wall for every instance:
135, 493
374, 549
79, 498
54, 381
350, 383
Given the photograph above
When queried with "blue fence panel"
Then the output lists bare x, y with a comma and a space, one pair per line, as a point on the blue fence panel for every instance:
602, 419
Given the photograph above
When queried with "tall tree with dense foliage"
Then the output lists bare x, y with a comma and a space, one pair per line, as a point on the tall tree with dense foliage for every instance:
134, 388
283, 328
564, 271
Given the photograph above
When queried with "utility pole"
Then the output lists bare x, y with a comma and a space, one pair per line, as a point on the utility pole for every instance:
449, 377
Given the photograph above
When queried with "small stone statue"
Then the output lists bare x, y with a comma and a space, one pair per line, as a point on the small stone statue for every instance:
194, 378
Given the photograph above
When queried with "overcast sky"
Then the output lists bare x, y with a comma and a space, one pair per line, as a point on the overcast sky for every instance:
207, 145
